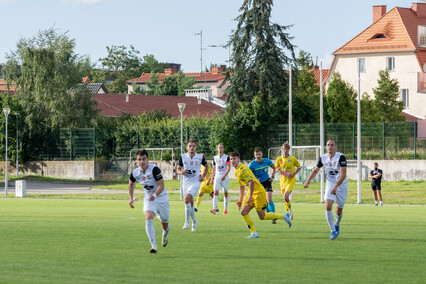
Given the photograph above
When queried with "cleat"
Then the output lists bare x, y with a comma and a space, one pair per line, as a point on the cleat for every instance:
213, 211
286, 218
337, 230
376, 204
164, 239
196, 209
217, 210
334, 235
185, 226
274, 221
225, 212
290, 213
194, 225
254, 235
153, 249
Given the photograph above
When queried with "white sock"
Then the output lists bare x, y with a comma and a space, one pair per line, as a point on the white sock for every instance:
338, 219
215, 198
376, 202
150, 231
188, 209
225, 205
330, 218
193, 215
381, 203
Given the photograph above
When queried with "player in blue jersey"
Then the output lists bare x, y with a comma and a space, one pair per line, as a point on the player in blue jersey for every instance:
260, 166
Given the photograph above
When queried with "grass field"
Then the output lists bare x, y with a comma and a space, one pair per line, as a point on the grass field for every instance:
90, 241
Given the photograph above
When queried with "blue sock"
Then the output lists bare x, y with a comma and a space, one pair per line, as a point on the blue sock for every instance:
271, 206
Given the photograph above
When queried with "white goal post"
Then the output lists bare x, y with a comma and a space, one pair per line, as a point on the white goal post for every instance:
155, 156
307, 156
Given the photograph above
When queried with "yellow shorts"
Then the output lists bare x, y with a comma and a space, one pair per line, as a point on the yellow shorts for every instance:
258, 201
206, 188
287, 187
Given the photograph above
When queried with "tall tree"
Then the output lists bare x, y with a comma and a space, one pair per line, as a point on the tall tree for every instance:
387, 105
340, 106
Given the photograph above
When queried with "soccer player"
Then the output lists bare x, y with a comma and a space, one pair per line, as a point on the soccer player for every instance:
189, 167
287, 165
376, 176
206, 185
336, 185
259, 166
156, 200
220, 178
255, 197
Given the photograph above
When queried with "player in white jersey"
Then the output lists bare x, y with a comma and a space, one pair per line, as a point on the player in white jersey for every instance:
189, 167
156, 200
336, 185
220, 178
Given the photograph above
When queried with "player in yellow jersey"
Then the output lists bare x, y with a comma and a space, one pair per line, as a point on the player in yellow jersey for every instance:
254, 198
206, 185
287, 165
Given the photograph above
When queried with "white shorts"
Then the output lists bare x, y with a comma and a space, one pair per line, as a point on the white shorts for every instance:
192, 189
218, 184
160, 207
341, 193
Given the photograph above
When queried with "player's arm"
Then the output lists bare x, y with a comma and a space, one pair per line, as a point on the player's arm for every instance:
228, 168
251, 190
156, 172
213, 172
274, 169
311, 176
179, 169
343, 168
131, 189
240, 201
206, 169
370, 175
295, 172
379, 174
277, 166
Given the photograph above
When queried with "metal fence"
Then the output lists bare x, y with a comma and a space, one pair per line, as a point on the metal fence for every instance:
378, 141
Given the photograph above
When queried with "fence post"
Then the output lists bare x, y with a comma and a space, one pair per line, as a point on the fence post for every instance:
94, 144
384, 140
415, 139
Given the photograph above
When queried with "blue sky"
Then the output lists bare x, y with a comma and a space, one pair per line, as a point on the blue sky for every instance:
165, 28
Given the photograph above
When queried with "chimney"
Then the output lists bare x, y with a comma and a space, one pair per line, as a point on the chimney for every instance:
127, 98
419, 9
378, 12
169, 71
217, 70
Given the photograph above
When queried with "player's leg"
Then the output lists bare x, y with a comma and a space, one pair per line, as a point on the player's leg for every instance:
379, 193
341, 195
150, 231
193, 191
375, 194
199, 197
260, 204
188, 209
217, 186
288, 190
330, 217
225, 186
247, 219
164, 216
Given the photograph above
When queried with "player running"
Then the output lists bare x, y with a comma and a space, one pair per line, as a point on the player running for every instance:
206, 185
155, 200
259, 166
189, 167
336, 185
255, 197
287, 165
220, 178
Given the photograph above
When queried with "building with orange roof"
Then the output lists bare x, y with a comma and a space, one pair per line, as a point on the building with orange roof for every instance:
210, 80
4, 88
396, 40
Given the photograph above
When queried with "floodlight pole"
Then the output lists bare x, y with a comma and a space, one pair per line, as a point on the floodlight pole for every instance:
6, 112
321, 133
201, 48
17, 146
181, 107
358, 156
290, 106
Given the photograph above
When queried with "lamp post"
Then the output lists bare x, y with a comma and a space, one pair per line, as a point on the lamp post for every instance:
181, 107
17, 145
6, 113
201, 48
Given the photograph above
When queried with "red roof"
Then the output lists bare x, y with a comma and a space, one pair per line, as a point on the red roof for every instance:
114, 105
3, 87
411, 117
215, 76
317, 74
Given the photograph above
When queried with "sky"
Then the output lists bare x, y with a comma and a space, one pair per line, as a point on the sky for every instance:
166, 28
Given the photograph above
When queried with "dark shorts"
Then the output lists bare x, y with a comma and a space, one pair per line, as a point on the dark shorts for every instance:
376, 187
267, 185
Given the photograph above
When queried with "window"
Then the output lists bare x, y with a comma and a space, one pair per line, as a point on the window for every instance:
379, 36
404, 97
421, 35
390, 63
361, 64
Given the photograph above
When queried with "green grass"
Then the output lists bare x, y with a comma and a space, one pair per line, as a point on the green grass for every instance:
92, 241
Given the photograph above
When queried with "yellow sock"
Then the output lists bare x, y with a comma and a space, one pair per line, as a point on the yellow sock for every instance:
249, 223
198, 201
287, 205
272, 216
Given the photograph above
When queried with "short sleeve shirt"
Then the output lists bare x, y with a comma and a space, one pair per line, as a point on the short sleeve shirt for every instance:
287, 167
260, 170
221, 164
244, 175
332, 165
148, 180
376, 181
193, 166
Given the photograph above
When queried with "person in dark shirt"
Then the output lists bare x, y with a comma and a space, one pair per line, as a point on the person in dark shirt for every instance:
376, 180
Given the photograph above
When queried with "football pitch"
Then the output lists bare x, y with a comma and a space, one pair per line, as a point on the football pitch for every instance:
89, 241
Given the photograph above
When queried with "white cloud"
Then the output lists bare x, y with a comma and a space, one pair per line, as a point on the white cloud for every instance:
84, 2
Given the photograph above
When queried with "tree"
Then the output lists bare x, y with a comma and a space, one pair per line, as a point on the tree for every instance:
150, 64
387, 105
368, 109
340, 106
172, 85
46, 72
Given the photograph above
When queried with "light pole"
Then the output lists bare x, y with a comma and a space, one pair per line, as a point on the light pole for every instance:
181, 107
6, 113
201, 48
17, 146
224, 46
